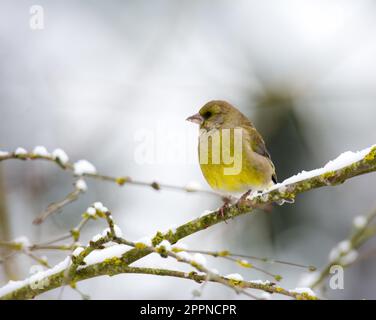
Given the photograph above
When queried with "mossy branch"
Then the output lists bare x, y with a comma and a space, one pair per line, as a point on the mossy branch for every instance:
75, 269
348, 255
80, 184
284, 192
119, 180
112, 268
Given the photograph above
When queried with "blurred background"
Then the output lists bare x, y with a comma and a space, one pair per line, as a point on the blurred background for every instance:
100, 76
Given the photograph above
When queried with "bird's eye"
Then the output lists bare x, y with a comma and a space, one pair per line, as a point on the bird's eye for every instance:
207, 115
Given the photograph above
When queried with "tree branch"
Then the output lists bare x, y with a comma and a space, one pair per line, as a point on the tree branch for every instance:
110, 269
83, 169
120, 180
345, 253
284, 192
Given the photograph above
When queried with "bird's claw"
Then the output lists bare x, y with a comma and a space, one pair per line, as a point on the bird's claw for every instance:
222, 210
245, 195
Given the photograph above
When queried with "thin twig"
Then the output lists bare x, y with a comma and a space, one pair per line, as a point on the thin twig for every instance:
224, 253
280, 193
357, 238
57, 206
119, 180
73, 196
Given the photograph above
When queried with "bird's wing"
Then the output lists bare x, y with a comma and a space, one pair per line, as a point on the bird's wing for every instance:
258, 146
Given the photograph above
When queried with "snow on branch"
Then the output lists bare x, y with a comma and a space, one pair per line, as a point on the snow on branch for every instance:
345, 253
124, 252
102, 256
84, 169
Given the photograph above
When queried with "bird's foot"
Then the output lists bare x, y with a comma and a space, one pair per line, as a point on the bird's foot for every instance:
243, 200
245, 195
224, 207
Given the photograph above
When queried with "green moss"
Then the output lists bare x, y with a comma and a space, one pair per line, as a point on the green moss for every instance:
75, 234
244, 264
17, 246
170, 234
22, 156
289, 196
74, 259
235, 283
223, 253
328, 175
279, 289
101, 214
158, 238
162, 251
278, 277
122, 180
113, 261
156, 186
371, 155
305, 296
85, 215
192, 274
140, 245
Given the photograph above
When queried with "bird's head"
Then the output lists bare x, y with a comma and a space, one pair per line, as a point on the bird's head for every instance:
217, 114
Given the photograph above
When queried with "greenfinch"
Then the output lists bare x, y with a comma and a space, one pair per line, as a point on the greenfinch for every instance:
233, 156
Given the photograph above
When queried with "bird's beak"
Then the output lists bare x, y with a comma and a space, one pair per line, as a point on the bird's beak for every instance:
196, 118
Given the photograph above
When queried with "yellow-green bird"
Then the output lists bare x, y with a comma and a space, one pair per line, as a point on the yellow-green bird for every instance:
233, 156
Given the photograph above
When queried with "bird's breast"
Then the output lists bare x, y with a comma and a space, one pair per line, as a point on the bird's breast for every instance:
229, 164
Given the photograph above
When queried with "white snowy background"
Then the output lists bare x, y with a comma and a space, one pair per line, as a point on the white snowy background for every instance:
102, 73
